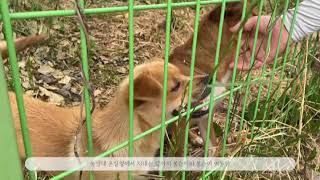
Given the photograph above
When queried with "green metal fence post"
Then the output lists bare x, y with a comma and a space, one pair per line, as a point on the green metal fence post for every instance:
16, 79
193, 59
213, 83
9, 156
234, 73
248, 79
165, 80
86, 93
131, 82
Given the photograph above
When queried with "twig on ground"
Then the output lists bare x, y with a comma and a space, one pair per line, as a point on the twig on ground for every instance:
82, 121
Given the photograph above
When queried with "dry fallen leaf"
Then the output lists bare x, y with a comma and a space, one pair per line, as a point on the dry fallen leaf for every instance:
45, 69
26, 85
97, 92
65, 80
53, 97
122, 70
57, 74
22, 64
50, 88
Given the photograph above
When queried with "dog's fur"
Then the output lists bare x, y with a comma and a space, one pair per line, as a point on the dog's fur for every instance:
52, 129
206, 52
21, 44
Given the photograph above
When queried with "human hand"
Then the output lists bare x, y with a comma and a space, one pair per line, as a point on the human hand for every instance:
260, 52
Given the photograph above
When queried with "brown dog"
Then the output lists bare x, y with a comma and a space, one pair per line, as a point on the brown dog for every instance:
206, 52
52, 129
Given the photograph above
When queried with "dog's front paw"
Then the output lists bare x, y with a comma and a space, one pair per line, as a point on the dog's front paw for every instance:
197, 140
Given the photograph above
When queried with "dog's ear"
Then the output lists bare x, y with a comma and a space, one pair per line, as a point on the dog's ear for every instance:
146, 88
233, 11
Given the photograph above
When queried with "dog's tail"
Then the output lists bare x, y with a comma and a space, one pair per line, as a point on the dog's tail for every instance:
21, 44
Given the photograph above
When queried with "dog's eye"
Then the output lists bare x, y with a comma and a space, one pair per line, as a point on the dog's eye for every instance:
176, 87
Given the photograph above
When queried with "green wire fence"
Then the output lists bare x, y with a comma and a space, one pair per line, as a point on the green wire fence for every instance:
7, 133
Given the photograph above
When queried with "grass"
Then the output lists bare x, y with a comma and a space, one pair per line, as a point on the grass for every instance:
292, 125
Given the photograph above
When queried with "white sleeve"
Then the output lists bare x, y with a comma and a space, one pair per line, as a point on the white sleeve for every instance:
307, 19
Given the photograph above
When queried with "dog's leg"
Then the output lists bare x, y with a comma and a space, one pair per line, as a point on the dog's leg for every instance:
21, 44
194, 138
203, 125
